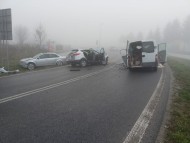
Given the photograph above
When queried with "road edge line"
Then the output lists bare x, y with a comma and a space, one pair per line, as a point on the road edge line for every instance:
137, 132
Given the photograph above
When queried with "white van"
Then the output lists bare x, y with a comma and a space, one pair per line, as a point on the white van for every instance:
142, 54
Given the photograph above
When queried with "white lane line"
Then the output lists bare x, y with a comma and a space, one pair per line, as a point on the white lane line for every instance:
3, 100
137, 132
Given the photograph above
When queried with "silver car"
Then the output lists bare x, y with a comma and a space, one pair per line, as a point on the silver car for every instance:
43, 59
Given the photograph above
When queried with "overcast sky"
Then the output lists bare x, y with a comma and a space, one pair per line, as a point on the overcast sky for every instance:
83, 22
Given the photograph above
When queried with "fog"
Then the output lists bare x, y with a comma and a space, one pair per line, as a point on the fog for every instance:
81, 23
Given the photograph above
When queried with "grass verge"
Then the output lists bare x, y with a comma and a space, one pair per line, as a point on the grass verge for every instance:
15, 54
178, 130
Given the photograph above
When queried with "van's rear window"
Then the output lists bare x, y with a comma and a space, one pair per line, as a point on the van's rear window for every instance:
148, 47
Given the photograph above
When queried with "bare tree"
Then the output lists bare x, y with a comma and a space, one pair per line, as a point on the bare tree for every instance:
21, 34
40, 35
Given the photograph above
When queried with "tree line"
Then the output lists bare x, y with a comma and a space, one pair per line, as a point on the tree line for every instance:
176, 34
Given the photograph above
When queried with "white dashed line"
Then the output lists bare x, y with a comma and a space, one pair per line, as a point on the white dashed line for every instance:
10, 98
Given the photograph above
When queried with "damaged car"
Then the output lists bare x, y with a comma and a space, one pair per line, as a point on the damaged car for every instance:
87, 57
42, 59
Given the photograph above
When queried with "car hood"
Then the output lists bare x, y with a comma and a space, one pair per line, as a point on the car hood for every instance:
26, 59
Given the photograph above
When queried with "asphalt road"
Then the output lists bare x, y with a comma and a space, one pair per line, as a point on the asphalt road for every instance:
97, 104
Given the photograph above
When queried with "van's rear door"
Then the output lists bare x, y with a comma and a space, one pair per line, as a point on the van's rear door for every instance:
148, 52
162, 53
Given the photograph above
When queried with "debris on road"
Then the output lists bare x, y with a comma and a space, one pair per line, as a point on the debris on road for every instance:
2, 70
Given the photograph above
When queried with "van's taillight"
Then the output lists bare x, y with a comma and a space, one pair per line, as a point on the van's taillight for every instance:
76, 54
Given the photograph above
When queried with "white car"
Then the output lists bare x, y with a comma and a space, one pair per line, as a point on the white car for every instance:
43, 59
87, 57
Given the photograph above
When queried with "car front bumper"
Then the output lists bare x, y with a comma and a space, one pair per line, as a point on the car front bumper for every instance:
23, 64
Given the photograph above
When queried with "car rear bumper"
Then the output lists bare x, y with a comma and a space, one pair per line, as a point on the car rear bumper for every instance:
146, 65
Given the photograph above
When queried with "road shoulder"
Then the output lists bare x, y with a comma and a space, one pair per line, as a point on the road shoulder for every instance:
166, 118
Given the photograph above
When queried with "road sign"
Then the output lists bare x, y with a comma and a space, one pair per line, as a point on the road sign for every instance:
5, 24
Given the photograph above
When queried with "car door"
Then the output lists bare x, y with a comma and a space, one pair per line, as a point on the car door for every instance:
53, 59
162, 57
43, 60
102, 52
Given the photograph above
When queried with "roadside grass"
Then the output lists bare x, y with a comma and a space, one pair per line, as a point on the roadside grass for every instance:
178, 130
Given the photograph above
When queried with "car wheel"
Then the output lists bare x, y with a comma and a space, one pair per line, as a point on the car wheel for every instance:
83, 63
59, 63
31, 66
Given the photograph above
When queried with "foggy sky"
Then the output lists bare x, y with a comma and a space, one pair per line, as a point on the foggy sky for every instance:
81, 23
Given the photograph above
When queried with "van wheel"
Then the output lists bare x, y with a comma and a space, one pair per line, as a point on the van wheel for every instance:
83, 63
156, 66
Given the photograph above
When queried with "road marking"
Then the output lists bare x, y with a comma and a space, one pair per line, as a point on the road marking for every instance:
3, 100
137, 132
